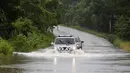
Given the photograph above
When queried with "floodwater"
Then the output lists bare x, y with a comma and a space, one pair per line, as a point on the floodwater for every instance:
97, 56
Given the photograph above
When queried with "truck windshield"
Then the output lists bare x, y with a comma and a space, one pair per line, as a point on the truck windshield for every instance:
64, 41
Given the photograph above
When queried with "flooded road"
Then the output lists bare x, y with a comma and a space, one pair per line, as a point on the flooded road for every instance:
98, 56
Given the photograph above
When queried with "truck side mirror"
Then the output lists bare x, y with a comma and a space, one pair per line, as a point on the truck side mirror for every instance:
82, 41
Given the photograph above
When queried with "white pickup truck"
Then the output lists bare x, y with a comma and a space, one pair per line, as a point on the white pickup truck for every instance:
67, 43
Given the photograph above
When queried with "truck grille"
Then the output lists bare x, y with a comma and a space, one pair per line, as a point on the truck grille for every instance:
64, 48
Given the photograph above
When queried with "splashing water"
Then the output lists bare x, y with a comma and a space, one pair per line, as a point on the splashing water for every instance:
52, 53
77, 53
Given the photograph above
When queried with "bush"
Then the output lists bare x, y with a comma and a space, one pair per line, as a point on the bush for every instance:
112, 38
20, 43
41, 40
22, 25
32, 41
5, 47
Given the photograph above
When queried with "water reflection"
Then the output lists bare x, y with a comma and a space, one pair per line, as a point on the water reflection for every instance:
11, 70
73, 66
7, 60
55, 63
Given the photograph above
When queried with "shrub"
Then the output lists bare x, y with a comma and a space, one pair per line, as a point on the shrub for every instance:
20, 43
22, 25
5, 47
41, 40
32, 41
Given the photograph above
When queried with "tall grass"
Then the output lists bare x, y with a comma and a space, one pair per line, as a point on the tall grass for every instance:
122, 44
22, 43
32, 42
5, 47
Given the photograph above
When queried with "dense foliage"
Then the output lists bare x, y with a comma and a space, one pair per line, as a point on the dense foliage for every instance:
27, 24
23, 16
109, 16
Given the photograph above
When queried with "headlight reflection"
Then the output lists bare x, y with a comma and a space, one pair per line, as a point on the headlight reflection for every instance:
73, 66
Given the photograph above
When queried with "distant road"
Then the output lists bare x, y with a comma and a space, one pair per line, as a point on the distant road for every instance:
92, 43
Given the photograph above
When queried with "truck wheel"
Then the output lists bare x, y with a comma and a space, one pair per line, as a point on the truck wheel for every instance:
81, 47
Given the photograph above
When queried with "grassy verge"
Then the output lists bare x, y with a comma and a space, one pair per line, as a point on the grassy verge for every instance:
112, 38
122, 44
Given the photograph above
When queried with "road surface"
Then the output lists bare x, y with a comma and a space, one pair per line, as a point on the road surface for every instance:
98, 56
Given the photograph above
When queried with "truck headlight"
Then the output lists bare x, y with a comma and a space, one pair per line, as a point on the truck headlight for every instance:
55, 47
77, 45
74, 47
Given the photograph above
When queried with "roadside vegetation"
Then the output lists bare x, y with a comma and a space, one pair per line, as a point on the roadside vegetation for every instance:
106, 18
122, 44
5, 47
26, 25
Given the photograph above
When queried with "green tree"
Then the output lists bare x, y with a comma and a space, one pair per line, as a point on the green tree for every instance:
123, 27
